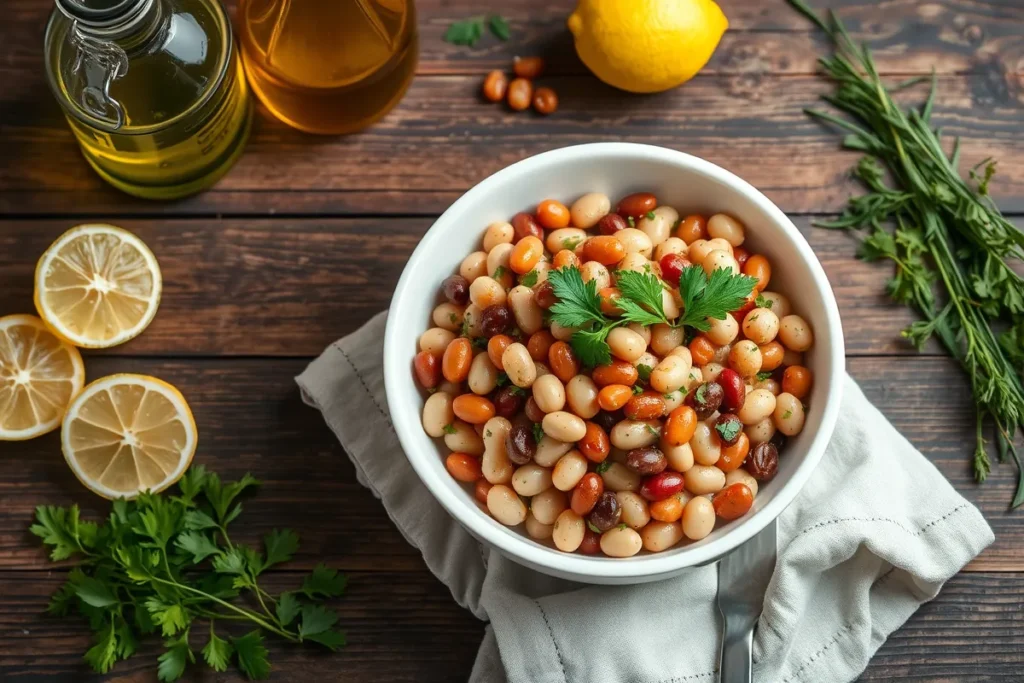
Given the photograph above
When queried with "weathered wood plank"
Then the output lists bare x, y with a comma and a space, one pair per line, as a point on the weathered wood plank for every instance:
767, 140
251, 418
289, 287
406, 628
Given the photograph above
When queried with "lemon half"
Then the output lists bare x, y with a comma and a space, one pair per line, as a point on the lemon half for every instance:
125, 434
97, 286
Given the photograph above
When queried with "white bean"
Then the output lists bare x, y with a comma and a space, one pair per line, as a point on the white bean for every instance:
635, 242
719, 259
618, 477
758, 405
726, 227
548, 393
722, 332
680, 458
581, 395
541, 269
519, 365
789, 414
486, 291
665, 338
436, 340
771, 385
437, 413
673, 245
626, 344
501, 232
698, 249
648, 359
586, 211
702, 479
547, 505
659, 227
670, 374
472, 319
568, 531
592, 270
483, 376
711, 371
499, 257
795, 334
564, 426
780, 305
635, 513
494, 464
741, 476
761, 325
630, 434
719, 244
564, 238
673, 399
448, 316
621, 542
670, 301
642, 330
537, 530
745, 358
568, 471
707, 448
549, 450
698, 518
473, 266
694, 378
561, 332
760, 431
505, 506
531, 479
462, 438
638, 263
659, 536
529, 316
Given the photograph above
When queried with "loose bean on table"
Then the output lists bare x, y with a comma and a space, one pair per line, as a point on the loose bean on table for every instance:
495, 86
519, 94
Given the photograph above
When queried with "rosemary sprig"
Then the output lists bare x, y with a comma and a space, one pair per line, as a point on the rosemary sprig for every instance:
944, 236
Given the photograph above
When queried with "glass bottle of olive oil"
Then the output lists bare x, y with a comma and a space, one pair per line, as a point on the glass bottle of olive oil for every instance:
153, 89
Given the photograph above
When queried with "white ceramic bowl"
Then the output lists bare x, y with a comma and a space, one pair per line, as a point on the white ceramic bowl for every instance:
688, 184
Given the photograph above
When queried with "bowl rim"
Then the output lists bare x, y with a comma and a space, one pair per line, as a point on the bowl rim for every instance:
551, 560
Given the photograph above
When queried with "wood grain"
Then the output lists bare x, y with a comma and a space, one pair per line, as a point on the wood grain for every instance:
405, 628
290, 286
251, 418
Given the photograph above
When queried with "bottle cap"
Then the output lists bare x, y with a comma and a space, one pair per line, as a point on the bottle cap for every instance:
101, 13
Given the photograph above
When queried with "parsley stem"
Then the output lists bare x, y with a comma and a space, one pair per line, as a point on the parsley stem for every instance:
252, 616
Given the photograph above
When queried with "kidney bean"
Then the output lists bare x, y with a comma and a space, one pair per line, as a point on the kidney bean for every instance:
616, 372
763, 461
495, 86
496, 346
645, 406
586, 493
544, 295
733, 456
594, 445
520, 92
661, 486
607, 419
481, 489
606, 513
778, 440
495, 320
508, 401
672, 266
463, 467
611, 223
680, 426
637, 204
733, 389
667, 510
733, 501
614, 396
565, 258
562, 361
528, 67
604, 249
729, 428
473, 409
692, 228
428, 369
533, 411
701, 350
591, 544
456, 360
545, 101
539, 345
520, 445
741, 255
705, 399
646, 461
456, 289
525, 224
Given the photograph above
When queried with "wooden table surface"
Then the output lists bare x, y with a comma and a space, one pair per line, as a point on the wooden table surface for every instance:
304, 240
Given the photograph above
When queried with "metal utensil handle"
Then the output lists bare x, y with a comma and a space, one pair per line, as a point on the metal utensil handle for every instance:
737, 645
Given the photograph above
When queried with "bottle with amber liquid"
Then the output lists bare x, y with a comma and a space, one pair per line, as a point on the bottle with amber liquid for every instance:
328, 66
153, 90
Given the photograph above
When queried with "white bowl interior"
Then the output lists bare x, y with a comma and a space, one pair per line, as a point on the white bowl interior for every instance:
686, 183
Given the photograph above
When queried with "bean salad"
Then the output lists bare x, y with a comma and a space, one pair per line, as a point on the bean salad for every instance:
614, 381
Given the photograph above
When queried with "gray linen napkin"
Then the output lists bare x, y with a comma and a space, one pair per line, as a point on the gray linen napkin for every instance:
875, 533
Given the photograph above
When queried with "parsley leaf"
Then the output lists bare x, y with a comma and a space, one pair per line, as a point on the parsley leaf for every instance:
711, 297
330, 639
499, 27
324, 582
788, 414
252, 655
637, 389
652, 429
650, 215
538, 432
173, 661
288, 608
641, 300
729, 429
578, 303
60, 528
499, 272
197, 544
529, 279
280, 545
449, 428
466, 32
590, 525
644, 372
103, 654
763, 375
603, 466
762, 302
591, 346
218, 652
316, 619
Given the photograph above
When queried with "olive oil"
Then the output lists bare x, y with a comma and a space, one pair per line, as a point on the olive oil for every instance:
153, 90
328, 66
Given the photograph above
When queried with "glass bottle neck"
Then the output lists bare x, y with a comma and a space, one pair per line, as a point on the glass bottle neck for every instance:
132, 26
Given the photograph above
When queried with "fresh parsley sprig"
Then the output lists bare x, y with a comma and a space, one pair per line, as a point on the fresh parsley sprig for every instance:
162, 563
711, 297
469, 31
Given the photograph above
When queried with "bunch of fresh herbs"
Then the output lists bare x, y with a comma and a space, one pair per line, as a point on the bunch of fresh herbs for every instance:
469, 31
579, 305
952, 248
163, 563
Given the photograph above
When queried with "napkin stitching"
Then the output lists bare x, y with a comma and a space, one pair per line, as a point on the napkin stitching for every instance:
554, 642
691, 677
366, 388
920, 531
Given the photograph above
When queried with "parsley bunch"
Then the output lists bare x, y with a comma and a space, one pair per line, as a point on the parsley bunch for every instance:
954, 252
579, 304
160, 563
469, 31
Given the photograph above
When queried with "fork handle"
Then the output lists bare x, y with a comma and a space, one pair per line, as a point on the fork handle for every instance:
737, 642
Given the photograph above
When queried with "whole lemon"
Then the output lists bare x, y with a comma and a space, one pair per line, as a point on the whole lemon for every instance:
646, 45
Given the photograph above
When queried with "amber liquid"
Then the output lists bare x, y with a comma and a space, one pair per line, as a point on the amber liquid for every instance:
328, 66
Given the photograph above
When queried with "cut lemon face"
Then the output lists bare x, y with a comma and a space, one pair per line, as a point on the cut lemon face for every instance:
125, 434
39, 375
97, 286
